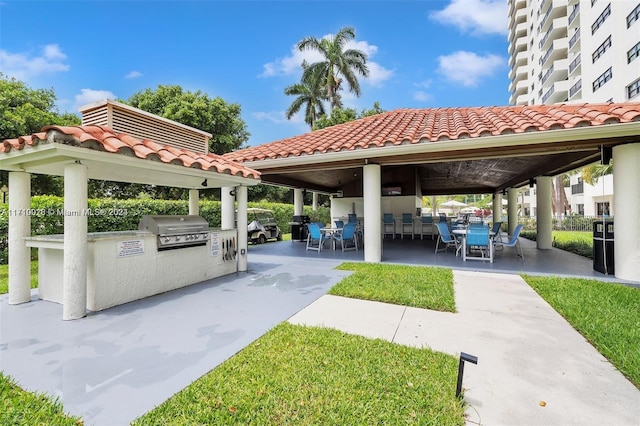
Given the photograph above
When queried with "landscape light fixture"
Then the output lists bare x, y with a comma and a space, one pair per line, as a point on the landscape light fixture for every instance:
4, 190
204, 183
232, 192
463, 357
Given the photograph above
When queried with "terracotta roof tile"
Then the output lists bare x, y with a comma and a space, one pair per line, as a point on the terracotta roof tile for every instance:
412, 126
104, 138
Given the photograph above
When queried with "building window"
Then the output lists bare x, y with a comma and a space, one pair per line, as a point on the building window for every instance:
601, 49
602, 209
633, 16
600, 81
580, 208
633, 53
633, 89
603, 17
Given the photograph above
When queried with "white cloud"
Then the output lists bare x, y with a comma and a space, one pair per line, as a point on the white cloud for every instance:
422, 96
24, 66
88, 96
133, 74
291, 65
468, 68
477, 16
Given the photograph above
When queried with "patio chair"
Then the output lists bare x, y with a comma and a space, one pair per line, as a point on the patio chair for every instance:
388, 223
426, 221
513, 242
315, 238
478, 238
347, 237
445, 237
339, 223
407, 221
495, 231
353, 218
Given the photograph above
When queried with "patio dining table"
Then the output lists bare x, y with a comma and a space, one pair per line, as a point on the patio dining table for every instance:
462, 232
330, 232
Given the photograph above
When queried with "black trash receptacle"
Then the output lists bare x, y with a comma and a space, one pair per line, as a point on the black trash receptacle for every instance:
603, 259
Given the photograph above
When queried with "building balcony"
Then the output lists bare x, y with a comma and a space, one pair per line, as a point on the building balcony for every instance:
519, 59
556, 9
518, 88
575, 64
574, 41
557, 30
516, 6
519, 45
574, 13
576, 90
519, 73
520, 99
558, 92
558, 50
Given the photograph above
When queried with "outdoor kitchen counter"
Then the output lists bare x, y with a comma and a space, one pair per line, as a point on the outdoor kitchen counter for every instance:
127, 265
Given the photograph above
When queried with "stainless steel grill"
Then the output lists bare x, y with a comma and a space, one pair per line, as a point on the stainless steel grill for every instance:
176, 231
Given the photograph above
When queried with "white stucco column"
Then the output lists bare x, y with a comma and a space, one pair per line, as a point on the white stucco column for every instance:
19, 228
194, 197
372, 192
497, 207
512, 209
74, 282
626, 226
314, 203
298, 201
544, 213
242, 228
228, 208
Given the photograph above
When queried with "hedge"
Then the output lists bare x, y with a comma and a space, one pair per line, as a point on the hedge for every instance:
121, 215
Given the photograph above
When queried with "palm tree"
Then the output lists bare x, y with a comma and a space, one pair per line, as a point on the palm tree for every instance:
591, 173
309, 91
337, 64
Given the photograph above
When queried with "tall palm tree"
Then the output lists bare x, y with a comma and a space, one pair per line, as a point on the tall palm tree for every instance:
310, 92
338, 63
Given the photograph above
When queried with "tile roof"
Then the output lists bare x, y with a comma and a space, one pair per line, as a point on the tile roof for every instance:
413, 126
103, 138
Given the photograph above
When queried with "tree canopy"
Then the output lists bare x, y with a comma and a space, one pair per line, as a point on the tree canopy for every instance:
338, 63
24, 111
309, 92
198, 110
341, 115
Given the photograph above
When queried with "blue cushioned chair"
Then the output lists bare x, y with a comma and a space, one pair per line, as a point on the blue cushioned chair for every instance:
426, 221
478, 238
315, 238
347, 237
407, 223
389, 225
445, 237
513, 242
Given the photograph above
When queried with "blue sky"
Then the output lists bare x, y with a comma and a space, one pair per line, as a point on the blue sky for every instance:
422, 54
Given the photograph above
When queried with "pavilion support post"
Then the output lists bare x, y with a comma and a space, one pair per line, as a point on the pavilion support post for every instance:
544, 213
194, 197
314, 203
512, 209
298, 201
497, 207
626, 227
242, 228
372, 190
228, 198
19, 228
74, 282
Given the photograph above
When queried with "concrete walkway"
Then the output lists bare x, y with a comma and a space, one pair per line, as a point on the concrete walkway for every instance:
533, 367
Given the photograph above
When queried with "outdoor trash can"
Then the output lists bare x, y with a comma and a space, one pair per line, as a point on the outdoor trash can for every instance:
603, 259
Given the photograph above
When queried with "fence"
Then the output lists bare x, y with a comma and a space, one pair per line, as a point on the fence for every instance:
566, 223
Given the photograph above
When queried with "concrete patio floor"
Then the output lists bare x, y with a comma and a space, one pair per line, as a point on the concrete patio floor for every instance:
115, 365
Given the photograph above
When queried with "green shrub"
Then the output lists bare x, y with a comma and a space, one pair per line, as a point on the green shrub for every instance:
123, 215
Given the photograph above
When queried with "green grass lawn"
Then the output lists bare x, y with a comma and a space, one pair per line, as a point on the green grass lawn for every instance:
607, 314
4, 276
18, 407
419, 287
308, 376
573, 236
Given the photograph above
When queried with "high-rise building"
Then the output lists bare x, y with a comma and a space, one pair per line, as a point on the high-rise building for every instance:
574, 51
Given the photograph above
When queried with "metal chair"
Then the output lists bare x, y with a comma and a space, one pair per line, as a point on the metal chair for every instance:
388, 222
513, 242
407, 221
353, 218
426, 220
445, 237
347, 237
478, 238
339, 223
315, 238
